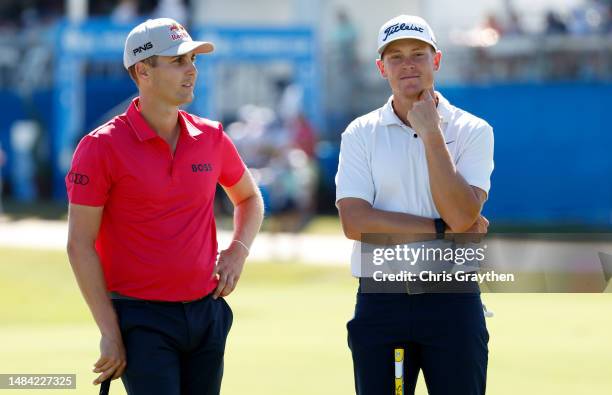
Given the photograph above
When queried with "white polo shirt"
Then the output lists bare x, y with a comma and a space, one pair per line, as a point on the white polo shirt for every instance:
383, 163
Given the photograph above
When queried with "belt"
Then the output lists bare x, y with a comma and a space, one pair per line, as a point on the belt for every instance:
117, 296
369, 285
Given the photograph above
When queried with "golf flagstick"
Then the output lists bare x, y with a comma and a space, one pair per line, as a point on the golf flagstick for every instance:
105, 386
399, 371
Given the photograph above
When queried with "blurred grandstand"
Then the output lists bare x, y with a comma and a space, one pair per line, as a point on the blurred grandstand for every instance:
539, 71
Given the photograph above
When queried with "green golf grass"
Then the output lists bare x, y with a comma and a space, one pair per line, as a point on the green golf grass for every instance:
289, 332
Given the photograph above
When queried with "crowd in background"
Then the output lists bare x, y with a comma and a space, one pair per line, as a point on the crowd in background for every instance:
23, 24
19, 14
592, 17
279, 143
566, 47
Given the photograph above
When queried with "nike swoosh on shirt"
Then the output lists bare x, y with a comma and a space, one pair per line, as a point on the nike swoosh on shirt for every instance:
452, 141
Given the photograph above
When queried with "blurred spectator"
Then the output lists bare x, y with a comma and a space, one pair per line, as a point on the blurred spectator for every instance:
578, 23
17, 14
279, 149
101, 7
589, 18
514, 26
174, 9
343, 61
125, 11
554, 23
344, 37
251, 135
491, 22
106, 8
290, 101
303, 135
291, 115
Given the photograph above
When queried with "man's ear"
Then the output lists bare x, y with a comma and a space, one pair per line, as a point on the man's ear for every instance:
437, 60
142, 71
381, 68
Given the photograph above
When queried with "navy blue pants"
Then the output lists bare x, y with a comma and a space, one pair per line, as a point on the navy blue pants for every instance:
444, 335
174, 348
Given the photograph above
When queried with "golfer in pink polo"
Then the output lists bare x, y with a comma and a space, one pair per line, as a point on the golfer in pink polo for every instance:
142, 237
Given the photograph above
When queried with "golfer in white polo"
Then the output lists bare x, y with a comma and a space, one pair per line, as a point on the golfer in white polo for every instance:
416, 165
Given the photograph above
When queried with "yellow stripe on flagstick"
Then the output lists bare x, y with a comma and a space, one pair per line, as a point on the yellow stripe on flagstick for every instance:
399, 371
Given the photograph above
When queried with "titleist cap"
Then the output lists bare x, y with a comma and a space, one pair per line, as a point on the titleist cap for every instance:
405, 26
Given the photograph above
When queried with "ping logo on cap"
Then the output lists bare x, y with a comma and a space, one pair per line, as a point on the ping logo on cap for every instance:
144, 47
397, 27
177, 32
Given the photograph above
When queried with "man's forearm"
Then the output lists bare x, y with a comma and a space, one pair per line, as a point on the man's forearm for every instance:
454, 198
363, 219
88, 272
248, 216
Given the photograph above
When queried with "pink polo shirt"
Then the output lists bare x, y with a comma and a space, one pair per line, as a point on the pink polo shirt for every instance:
157, 239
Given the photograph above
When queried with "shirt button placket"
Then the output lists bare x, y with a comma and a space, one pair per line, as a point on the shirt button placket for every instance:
173, 171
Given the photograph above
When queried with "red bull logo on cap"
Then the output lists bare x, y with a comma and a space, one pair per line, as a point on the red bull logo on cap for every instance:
178, 32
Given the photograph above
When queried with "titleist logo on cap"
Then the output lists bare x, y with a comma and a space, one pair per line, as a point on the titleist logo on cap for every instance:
399, 27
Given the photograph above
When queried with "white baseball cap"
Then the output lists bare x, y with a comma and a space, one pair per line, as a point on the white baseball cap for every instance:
161, 36
405, 26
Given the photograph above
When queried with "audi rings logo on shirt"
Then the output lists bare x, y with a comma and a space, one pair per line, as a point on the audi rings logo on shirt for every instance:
78, 179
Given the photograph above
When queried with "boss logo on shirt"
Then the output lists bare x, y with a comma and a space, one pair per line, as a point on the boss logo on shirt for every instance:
198, 167
78, 179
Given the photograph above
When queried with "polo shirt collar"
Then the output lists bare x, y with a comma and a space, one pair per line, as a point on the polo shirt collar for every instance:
445, 109
389, 117
187, 126
140, 127
144, 132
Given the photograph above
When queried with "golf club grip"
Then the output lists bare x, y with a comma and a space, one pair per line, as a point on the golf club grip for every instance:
105, 387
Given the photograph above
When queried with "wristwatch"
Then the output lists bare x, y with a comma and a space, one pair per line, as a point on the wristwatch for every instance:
440, 228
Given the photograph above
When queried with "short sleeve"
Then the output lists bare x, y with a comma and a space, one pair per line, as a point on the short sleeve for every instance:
89, 180
354, 177
232, 167
475, 163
